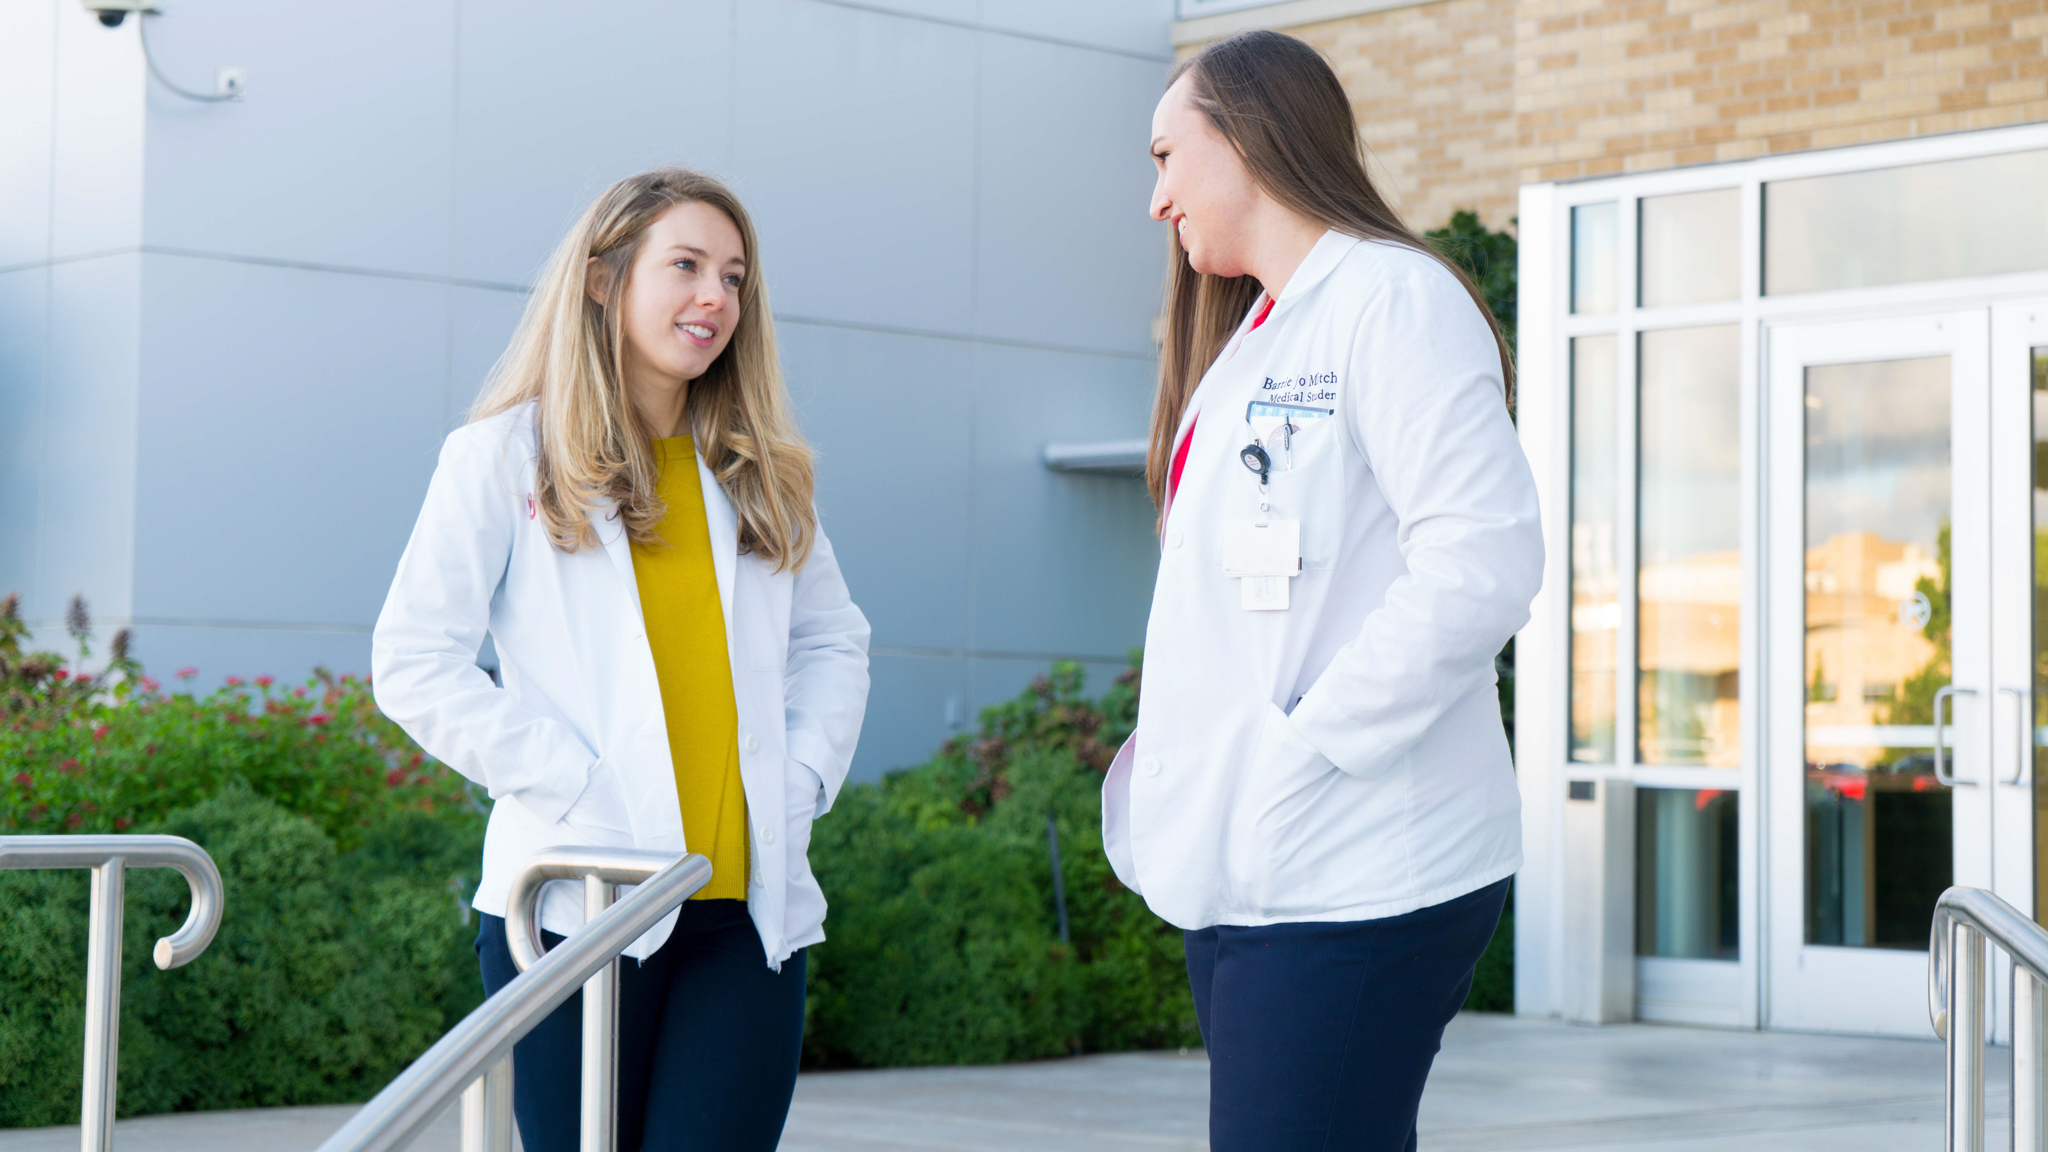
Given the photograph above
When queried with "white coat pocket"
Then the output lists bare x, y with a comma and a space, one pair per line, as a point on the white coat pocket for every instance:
1288, 844
1307, 485
600, 815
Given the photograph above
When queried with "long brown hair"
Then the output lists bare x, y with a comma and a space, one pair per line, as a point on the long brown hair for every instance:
568, 355
1280, 106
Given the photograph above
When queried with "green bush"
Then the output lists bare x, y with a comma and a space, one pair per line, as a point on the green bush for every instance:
943, 943
346, 858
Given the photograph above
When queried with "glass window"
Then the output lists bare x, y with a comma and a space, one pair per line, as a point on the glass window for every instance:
1689, 547
1595, 265
1878, 838
1974, 217
1596, 605
1690, 249
1686, 861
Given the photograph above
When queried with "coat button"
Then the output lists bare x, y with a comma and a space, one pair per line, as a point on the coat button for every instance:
767, 834
1173, 538
1150, 765
753, 744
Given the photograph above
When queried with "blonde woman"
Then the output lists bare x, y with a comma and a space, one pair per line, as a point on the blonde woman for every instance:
628, 516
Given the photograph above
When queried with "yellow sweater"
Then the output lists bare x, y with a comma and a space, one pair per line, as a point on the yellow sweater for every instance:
686, 630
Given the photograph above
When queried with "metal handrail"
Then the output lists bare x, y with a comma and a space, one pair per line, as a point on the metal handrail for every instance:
398, 1114
110, 857
1964, 918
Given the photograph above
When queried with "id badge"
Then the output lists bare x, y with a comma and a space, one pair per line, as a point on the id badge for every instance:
1263, 593
1251, 548
1264, 557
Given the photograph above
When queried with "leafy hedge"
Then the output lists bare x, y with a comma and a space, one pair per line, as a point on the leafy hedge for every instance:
346, 856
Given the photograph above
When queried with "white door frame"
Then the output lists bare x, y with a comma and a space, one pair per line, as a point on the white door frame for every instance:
1849, 989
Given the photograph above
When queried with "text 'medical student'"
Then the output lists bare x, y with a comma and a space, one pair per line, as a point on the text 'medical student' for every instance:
1319, 788
628, 516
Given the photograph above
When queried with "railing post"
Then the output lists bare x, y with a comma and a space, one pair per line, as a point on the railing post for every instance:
487, 1110
108, 858
102, 1005
2029, 1063
1965, 1088
600, 1028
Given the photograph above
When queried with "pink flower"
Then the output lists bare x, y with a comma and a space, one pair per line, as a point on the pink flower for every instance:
99, 733
149, 684
318, 718
234, 681
69, 766
63, 675
265, 681
299, 692
187, 673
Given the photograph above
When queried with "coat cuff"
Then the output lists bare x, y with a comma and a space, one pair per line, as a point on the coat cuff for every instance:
1338, 738
815, 754
551, 803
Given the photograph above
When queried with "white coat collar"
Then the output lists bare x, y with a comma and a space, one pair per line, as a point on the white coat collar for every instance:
1315, 267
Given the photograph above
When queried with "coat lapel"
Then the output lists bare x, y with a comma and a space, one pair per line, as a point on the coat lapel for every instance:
611, 532
724, 527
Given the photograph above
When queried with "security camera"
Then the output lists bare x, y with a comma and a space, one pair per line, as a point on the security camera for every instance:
112, 12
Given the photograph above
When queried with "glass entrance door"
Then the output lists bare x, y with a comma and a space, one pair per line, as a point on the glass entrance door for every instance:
1877, 775
2019, 642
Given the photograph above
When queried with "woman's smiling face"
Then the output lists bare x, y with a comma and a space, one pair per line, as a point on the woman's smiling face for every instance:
682, 297
1204, 191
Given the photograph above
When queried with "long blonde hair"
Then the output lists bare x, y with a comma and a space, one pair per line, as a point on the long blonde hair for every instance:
1282, 108
568, 355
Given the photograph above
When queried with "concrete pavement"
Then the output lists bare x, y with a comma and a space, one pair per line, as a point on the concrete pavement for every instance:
1501, 1085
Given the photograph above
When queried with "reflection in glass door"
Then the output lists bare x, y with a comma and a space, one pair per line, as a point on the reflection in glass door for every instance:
2036, 718
1878, 839
1878, 569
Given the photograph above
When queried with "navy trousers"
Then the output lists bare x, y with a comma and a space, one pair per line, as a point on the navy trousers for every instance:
1320, 1035
709, 1041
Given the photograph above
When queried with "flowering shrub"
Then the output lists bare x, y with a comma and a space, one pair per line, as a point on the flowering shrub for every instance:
104, 752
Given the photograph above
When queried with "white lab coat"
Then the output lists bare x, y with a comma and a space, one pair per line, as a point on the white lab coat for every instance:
574, 748
1342, 759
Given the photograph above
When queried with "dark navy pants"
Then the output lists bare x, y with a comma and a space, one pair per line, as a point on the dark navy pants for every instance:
709, 1041
1321, 1035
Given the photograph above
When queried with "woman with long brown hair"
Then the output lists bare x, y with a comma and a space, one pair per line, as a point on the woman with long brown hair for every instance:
1319, 790
628, 517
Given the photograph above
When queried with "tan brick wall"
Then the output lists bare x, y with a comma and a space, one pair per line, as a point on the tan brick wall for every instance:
1461, 101
1433, 87
1605, 86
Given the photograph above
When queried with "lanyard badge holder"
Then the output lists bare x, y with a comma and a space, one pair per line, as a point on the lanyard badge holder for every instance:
1264, 553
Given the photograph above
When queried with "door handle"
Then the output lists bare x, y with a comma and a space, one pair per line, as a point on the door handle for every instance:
1941, 696
2019, 748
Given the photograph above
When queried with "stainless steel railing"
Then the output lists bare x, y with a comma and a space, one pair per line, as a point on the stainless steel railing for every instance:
110, 857
470, 1059
1964, 918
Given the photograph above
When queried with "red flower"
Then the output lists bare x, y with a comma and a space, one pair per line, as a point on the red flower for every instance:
234, 681
187, 673
69, 766
265, 681
24, 779
395, 777
62, 674
121, 822
74, 820
318, 718
416, 759
99, 732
